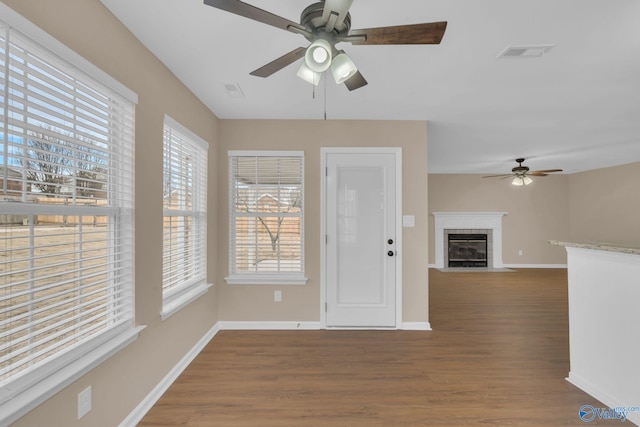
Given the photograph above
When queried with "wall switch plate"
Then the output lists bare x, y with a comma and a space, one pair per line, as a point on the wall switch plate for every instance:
408, 221
520, 252
277, 296
84, 402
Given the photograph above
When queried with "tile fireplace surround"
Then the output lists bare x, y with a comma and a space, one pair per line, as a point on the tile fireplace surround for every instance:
491, 221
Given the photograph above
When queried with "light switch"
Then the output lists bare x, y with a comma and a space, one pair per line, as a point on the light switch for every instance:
408, 221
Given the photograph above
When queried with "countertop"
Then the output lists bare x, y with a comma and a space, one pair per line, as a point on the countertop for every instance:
601, 246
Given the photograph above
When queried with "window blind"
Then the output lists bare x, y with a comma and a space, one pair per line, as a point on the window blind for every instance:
266, 214
184, 200
66, 200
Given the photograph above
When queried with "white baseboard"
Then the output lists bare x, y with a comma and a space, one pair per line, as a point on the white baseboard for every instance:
524, 266
273, 326
255, 326
416, 326
535, 265
603, 396
147, 403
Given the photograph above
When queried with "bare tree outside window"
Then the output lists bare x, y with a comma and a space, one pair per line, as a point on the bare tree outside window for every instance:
288, 202
49, 160
57, 163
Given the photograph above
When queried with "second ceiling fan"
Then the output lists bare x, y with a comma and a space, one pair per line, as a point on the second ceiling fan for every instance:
325, 24
522, 175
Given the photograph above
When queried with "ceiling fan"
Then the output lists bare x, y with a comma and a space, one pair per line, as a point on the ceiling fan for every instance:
522, 175
325, 24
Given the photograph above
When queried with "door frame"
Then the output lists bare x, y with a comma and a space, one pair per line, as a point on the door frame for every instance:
324, 151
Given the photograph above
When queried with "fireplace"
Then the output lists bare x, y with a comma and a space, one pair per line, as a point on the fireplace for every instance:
467, 250
489, 223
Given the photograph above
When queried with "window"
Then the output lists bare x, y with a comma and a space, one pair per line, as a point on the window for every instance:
184, 265
66, 203
266, 232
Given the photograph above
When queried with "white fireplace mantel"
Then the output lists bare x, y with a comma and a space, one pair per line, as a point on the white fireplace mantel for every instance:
468, 221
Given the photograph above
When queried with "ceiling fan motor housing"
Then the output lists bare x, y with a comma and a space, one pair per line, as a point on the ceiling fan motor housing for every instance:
520, 170
311, 18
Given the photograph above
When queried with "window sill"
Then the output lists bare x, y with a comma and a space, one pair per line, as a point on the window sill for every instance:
182, 299
25, 401
240, 279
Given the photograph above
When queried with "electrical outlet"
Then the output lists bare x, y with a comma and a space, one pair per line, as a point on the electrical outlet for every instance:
520, 252
277, 296
84, 402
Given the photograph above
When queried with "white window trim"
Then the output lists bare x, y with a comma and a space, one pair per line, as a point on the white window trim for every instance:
57, 48
171, 122
182, 298
275, 279
70, 368
176, 299
281, 278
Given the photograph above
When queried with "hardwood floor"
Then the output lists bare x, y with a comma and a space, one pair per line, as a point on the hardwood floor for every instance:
497, 356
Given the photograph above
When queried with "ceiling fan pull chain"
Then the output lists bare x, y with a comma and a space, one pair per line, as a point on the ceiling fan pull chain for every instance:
325, 99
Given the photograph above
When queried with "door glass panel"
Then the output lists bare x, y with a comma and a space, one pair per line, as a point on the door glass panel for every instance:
360, 231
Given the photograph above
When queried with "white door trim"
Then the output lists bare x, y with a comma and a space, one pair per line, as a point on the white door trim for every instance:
324, 151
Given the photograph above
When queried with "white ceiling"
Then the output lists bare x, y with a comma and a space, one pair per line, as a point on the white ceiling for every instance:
576, 108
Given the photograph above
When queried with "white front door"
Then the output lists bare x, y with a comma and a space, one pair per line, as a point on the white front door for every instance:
361, 239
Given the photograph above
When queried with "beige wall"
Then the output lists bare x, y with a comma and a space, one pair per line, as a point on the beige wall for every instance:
605, 204
302, 303
125, 379
536, 213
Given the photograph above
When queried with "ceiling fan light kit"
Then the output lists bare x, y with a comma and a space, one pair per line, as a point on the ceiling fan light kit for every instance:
308, 75
325, 24
521, 180
342, 68
318, 56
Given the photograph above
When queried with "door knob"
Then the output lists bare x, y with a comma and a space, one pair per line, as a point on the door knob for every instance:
391, 253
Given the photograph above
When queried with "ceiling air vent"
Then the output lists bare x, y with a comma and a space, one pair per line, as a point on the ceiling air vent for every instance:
534, 51
234, 90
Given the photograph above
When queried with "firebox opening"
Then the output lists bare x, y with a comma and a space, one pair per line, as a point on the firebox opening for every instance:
467, 250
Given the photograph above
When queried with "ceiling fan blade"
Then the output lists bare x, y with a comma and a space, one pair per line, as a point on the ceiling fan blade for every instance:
248, 11
537, 173
546, 171
280, 63
356, 81
504, 175
335, 12
430, 33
